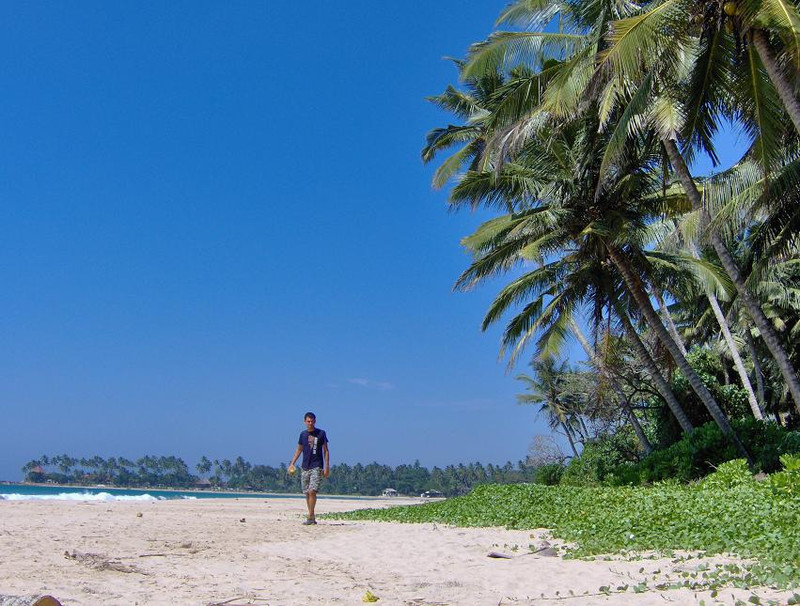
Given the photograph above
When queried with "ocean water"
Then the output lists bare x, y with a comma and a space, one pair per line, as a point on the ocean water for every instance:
28, 492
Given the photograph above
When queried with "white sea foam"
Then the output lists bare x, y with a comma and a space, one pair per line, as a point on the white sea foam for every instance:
79, 496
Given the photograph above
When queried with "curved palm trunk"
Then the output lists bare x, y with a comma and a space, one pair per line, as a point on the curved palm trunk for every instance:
623, 400
585, 430
655, 374
748, 338
569, 437
643, 302
737, 359
753, 308
782, 86
670, 324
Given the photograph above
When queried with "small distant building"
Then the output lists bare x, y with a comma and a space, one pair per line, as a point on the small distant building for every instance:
431, 494
389, 492
203, 483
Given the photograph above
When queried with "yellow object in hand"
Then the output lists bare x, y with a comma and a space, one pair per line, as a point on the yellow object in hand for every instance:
292, 470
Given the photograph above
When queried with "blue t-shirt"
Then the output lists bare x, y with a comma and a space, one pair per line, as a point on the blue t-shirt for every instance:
312, 442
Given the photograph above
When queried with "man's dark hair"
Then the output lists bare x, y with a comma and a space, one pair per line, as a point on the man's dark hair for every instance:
310, 415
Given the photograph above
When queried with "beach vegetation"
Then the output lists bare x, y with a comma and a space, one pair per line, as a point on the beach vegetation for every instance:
549, 474
729, 512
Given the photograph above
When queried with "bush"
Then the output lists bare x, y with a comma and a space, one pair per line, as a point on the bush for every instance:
791, 443
787, 482
548, 474
707, 449
729, 475
601, 457
732, 399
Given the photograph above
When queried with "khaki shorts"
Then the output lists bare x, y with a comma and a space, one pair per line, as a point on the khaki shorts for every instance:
310, 479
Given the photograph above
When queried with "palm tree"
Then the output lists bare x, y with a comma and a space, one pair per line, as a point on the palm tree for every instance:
679, 237
592, 222
635, 89
602, 220
749, 300
642, 37
518, 185
204, 466
547, 388
600, 365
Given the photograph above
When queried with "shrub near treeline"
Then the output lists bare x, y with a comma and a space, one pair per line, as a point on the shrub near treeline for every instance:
690, 458
728, 512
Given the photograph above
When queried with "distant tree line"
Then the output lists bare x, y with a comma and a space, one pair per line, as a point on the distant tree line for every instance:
173, 472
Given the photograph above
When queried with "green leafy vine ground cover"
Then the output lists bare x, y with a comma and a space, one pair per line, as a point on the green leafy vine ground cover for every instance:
728, 513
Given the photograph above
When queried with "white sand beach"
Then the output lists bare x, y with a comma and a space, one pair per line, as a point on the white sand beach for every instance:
255, 551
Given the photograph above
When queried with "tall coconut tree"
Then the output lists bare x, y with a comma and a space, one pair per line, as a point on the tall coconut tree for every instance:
680, 238
551, 292
713, 89
603, 225
749, 300
547, 229
584, 200
644, 66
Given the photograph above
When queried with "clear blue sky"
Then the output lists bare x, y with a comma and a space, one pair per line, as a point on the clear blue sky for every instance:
215, 218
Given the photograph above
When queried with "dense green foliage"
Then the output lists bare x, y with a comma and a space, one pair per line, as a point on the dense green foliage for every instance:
728, 512
711, 368
549, 474
172, 472
691, 458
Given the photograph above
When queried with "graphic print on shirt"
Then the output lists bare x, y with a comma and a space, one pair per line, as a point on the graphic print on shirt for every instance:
312, 443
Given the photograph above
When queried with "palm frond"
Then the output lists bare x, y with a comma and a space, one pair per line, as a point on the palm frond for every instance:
566, 88
552, 340
460, 103
634, 42
530, 14
532, 285
516, 99
761, 112
503, 51
625, 126
511, 189
667, 116
708, 91
450, 167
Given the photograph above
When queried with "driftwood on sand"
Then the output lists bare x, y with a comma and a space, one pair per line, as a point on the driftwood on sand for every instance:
99, 562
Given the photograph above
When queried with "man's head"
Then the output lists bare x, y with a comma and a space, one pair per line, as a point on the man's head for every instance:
310, 419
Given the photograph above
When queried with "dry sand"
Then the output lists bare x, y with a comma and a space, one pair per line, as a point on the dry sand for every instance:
255, 551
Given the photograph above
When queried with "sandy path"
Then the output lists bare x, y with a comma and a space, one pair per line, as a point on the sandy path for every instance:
201, 552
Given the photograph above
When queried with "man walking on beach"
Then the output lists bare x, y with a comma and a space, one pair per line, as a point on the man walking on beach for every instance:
313, 444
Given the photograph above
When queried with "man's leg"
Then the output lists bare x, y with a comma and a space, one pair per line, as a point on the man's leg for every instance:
314, 479
311, 502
